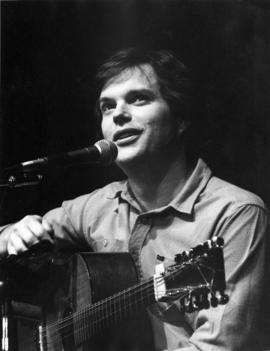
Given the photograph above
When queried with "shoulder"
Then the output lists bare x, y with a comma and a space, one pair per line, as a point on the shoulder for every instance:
239, 216
230, 195
97, 199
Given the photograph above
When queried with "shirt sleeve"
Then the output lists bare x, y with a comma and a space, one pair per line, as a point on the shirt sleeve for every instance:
68, 222
239, 325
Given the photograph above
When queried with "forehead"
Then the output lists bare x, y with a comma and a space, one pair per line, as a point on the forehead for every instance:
135, 78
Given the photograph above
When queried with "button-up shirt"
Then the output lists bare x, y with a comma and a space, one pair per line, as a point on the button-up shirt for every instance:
111, 220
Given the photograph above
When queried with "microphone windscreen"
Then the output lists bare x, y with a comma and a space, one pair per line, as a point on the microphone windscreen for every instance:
108, 151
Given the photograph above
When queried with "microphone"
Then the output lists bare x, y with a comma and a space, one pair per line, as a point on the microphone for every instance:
103, 151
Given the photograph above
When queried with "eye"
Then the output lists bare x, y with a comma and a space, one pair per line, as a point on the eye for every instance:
106, 106
139, 99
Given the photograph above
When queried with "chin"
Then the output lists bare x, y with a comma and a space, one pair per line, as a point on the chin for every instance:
128, 159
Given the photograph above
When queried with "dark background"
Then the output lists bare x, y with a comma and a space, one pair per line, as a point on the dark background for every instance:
50, 51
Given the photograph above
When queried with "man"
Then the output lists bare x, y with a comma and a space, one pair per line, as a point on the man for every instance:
166, 206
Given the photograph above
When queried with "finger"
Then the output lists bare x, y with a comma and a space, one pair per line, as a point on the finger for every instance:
37, 217
16, 245
47, 226
40, 229
26, 234
11, 250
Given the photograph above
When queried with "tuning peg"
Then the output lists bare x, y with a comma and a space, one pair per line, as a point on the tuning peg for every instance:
178, 258
207, 245
192, 306
191, 253
183, 257
222, 298
184, 304
205, 301
213, 300
188, 304
217, 241
201, 300
198, 300
198, 305
194, 301
198, 250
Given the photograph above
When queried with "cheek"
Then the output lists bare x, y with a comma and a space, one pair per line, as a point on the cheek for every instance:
105, 128
163, 125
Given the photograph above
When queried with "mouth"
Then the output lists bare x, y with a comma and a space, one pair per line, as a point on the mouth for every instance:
126, 136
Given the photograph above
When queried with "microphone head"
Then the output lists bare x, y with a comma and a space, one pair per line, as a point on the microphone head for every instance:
108, 151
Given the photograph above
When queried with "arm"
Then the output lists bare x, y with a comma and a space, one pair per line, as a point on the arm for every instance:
62, 226
236, 326
18, 237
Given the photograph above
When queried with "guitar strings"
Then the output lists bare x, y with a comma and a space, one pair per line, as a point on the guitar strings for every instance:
132, 289
144, 285
90, 311
82, 334
56, 331
83, 330
64, 323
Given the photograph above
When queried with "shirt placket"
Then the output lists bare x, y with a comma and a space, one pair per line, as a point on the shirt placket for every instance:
139, 233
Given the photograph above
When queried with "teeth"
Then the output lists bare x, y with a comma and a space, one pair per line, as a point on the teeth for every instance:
126, 134
123, 136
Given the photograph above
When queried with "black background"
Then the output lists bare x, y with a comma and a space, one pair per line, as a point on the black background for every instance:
50, 51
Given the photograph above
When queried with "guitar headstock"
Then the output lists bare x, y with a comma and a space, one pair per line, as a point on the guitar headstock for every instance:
197, 278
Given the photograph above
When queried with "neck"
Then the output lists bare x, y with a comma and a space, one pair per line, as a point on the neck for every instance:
156, 183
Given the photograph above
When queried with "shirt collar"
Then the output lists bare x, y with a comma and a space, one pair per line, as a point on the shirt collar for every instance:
195, 184
184, 202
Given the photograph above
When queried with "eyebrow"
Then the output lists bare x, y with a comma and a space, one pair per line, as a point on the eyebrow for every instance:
129, 93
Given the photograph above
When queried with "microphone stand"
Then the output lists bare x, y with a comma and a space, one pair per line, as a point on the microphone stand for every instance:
5, 302
21, 180
11, 182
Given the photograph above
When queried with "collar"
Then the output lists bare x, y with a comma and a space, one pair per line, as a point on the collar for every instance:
195, 184
184, 202
122, 191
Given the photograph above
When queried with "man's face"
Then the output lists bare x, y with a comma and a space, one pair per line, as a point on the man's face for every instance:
136, 117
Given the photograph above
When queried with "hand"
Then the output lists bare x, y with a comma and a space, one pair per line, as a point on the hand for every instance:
27, 232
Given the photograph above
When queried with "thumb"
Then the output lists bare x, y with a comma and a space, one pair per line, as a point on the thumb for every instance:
49, 229
47, 226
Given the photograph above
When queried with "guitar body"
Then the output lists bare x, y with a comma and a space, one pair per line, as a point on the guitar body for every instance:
84, 301
74, 281
81, 280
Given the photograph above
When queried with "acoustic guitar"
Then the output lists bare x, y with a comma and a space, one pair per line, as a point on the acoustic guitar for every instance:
81, 295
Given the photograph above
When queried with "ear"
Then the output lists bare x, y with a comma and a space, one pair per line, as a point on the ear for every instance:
181, 127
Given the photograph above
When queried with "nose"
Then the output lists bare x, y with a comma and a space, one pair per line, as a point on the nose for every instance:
121, 114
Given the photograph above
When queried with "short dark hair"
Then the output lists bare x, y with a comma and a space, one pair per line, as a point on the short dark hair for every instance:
172, 74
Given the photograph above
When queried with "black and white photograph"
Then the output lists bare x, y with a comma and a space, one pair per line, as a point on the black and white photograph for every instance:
135, 175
